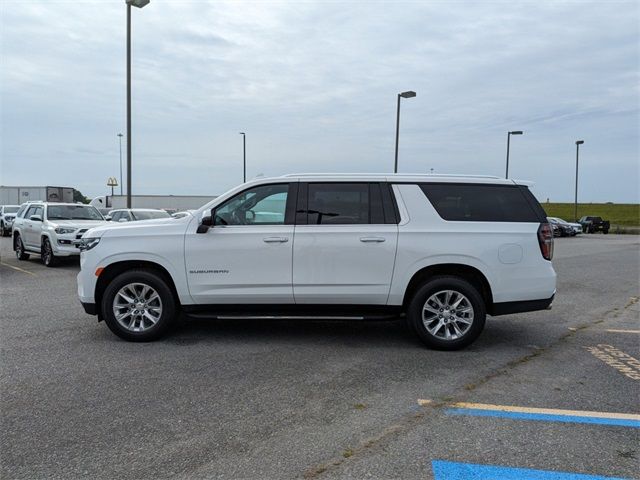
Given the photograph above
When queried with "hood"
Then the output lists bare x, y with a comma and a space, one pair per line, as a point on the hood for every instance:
77, 223
140, 227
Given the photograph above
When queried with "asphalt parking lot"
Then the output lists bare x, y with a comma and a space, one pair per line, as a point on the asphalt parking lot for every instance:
547, 391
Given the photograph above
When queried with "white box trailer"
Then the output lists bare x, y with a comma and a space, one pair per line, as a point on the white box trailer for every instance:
18, 195
171, 203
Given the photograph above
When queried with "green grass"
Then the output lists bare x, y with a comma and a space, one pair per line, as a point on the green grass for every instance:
624, 214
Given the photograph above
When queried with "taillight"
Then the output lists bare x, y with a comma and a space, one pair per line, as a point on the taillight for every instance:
545, 239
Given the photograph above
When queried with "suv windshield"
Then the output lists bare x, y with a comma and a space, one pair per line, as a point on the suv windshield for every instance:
73, 212
11, 209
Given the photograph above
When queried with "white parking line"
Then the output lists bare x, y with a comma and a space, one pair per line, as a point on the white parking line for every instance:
18, 269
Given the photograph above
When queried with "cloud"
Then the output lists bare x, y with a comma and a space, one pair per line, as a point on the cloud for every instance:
314, 85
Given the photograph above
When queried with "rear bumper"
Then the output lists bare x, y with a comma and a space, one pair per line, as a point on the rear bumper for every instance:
506, 308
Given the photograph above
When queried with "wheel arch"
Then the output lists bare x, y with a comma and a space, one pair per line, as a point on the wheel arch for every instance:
114, 269
466, 272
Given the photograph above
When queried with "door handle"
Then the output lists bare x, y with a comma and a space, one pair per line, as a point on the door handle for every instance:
275, 239
372, 239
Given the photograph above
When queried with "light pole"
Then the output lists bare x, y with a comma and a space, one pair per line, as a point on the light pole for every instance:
515, 132
139, 4
575, 203
120, 138
407, 94
244, 157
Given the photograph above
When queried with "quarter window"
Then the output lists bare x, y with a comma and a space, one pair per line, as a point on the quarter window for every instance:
481, 203
263, 205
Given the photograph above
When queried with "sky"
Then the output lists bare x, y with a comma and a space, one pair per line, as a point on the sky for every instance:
314, 86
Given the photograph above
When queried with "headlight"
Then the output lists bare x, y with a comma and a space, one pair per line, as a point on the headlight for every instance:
62, 230
88, 243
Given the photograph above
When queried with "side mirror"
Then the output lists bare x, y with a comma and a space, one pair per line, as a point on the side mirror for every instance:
108, 218
205, 225
35, 218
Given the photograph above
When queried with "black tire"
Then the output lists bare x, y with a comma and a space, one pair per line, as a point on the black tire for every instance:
605, 231
3, 230
18, 246
46, 254
168, 313
432, 287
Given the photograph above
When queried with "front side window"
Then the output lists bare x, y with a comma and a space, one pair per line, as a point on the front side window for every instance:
73, 212
35, 210
263, 205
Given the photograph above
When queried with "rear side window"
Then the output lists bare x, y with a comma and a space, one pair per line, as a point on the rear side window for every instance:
338, 203
482, 203
342, 203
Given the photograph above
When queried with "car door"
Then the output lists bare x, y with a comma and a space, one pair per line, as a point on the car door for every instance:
246, 257
33, 228
345, 243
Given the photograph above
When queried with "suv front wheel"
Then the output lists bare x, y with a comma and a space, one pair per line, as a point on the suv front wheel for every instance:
46, 255
138, 306
447, 313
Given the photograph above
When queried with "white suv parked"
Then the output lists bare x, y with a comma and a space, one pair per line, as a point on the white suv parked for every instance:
442, 251
7, 214
52, 230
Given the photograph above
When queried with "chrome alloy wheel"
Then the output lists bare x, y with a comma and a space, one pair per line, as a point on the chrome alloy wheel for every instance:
447, 315
137, 307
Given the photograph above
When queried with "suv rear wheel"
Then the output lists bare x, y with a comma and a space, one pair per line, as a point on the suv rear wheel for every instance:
447, 313
138, 306
18, 246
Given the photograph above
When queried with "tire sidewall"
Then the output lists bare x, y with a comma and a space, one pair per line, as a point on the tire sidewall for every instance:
20, 251
167, 319
47, 257
437, 284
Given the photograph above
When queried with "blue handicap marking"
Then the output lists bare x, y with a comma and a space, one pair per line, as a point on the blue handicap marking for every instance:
443, 470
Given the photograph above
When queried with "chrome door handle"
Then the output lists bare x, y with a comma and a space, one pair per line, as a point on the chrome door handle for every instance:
372, 239
275, 239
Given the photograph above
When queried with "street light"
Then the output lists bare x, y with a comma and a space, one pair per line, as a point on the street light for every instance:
515, 132
244, 157
138, 4
120, 138
575, 204
407, 94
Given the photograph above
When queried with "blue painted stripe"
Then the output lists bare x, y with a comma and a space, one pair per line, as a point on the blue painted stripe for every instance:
545, 417
443, 470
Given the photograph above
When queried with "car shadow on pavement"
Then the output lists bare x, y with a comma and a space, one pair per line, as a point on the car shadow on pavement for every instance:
356, 333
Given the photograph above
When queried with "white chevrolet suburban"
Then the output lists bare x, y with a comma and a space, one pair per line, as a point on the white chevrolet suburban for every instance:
52, 230
442, 251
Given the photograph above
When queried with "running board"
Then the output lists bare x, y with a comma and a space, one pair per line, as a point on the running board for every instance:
213, 316
293, 312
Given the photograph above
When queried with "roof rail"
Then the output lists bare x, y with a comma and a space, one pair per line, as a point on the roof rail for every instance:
389, 175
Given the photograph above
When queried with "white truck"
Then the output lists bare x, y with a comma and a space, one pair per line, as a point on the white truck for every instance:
171, 203
19, 195
442, 251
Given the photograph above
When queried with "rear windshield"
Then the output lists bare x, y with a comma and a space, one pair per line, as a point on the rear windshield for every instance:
11, 209
146, 215
483, 203
73, 212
